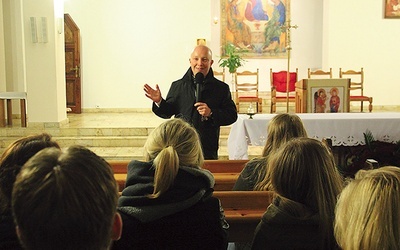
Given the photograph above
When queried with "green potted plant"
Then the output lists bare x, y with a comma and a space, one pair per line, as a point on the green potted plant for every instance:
232, 60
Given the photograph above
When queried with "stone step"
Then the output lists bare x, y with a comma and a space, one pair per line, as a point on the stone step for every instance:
98, 141
61, 132
130, 153
127, 143
136, 153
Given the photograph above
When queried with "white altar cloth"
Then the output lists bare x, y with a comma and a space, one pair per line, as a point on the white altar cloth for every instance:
345, 129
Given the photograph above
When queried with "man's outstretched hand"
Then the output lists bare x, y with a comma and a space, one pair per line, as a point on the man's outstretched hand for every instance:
153, 94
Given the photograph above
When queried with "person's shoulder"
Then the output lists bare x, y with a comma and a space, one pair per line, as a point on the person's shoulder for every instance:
186, 78
136, 166
218, 85
212, 202
138, 163
219, 82
253, 163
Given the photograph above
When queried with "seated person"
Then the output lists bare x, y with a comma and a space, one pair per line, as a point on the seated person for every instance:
66, 201
167, 202
306, 182
367, 212
11, 161
281, 129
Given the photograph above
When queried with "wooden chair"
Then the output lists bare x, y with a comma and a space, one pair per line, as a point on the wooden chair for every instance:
319, 73
356, 85
278, 87
247, 90
220, 74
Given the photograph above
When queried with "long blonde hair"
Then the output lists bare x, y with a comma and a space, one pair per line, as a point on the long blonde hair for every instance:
172, 144
368, 211
281, 129
303, 172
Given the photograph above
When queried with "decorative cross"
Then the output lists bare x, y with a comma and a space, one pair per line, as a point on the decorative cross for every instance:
287, 28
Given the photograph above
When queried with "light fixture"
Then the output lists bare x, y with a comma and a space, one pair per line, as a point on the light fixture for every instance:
215, 20
201, 41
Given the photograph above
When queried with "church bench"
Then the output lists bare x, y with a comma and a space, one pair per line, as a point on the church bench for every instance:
243, 211
225, 166
223, 181
225, 172
214, 166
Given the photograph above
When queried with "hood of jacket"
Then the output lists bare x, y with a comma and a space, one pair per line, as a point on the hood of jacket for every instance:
191, 185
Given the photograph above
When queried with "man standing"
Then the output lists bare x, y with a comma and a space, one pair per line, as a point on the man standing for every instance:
200, 99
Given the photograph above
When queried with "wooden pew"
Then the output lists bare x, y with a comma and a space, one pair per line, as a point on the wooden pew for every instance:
214, 166
225, 166
119, 167
225, 172
223, 181
243, 211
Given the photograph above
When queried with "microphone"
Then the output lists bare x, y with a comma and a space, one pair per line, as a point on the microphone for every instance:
198, 79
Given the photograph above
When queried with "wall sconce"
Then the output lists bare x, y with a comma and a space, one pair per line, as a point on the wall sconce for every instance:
215, 20
201, 41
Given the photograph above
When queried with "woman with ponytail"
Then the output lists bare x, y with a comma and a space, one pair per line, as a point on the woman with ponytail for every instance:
167, 202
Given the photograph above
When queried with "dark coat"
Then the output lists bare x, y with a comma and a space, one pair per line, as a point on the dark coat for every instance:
180, 103
279, 229
185, 217
248, 178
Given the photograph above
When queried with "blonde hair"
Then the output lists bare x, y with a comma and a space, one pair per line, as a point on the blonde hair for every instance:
303, 173
172, 144
367, 212
281, 129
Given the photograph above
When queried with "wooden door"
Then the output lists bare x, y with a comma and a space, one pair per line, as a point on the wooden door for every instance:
72, 65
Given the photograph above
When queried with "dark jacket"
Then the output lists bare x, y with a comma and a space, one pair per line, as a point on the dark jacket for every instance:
249, 176
279, 229
246, 181
180, 103
185, 217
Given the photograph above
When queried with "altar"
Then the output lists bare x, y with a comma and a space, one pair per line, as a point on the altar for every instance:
344, 129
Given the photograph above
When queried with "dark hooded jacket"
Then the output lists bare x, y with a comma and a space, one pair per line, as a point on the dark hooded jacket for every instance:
184, 217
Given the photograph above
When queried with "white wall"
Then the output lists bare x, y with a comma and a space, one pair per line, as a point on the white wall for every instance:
127, 43
358, 37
